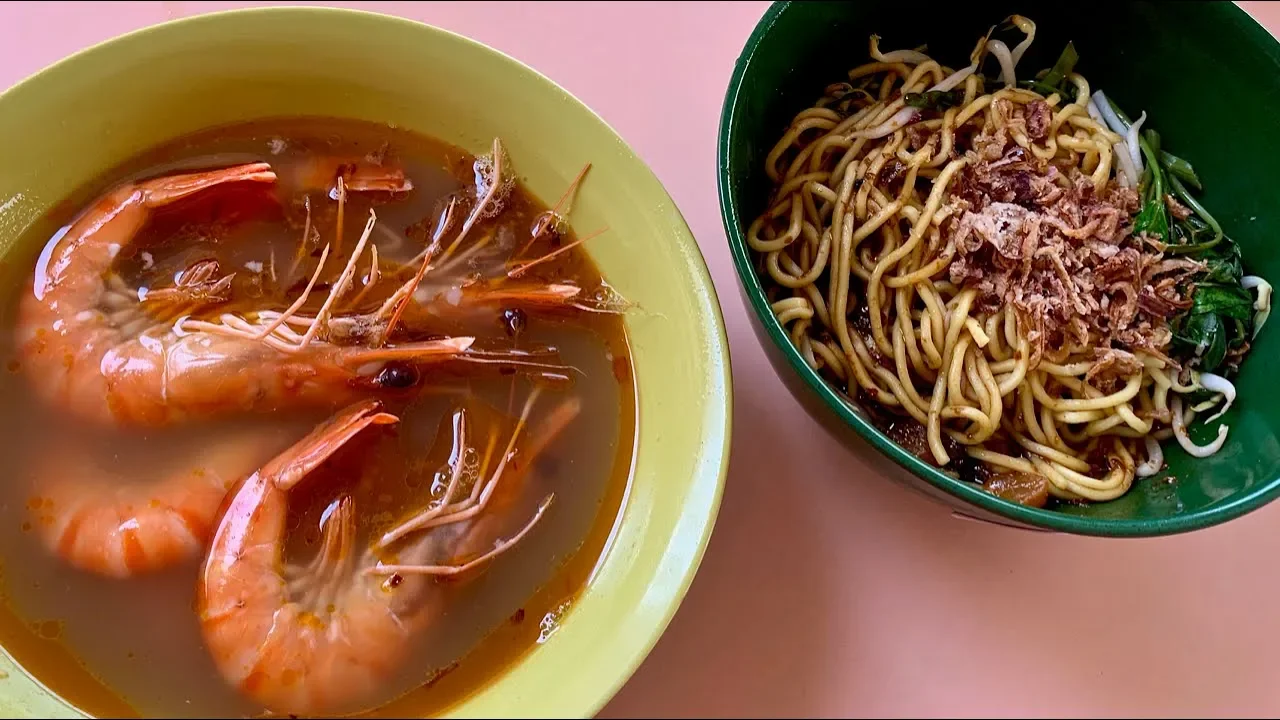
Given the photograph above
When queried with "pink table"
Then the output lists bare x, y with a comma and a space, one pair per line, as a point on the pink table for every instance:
874, 601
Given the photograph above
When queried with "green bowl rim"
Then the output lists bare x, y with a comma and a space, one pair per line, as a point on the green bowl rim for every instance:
1243, 503
632, 658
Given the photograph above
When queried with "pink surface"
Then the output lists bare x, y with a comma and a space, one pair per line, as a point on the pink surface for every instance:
827, 591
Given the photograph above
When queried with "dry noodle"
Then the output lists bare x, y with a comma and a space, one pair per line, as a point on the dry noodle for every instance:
868, 248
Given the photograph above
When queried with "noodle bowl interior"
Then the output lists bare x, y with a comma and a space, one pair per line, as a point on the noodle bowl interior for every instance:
1006, 270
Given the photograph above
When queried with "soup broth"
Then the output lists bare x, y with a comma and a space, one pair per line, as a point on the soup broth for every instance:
134, 646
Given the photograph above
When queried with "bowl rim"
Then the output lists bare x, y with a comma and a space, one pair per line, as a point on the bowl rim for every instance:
749, 282
712, 459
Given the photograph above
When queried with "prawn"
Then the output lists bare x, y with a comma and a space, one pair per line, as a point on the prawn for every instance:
84, 358
428, 311
418, 302
336, 174
97, 524
330, 639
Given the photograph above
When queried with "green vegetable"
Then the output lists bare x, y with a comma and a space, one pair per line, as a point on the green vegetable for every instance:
1154, 217
1181, 169
1180, 192
1190, 236
1220, 318
1222, 265
934, 99
1193, 332
1226, 301
1221, 313
1064, 67
1067, 91
1055, 80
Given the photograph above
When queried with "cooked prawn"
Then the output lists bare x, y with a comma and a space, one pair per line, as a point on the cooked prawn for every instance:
328, 640
83, 358
335, 174
420, 301
102, 524
428, 311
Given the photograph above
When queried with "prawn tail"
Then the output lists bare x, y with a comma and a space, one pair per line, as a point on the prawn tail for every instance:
162, 191
288, 468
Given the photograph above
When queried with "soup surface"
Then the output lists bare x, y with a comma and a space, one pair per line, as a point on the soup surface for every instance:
134, 645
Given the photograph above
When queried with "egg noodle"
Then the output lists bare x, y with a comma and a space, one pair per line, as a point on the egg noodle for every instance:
857, 250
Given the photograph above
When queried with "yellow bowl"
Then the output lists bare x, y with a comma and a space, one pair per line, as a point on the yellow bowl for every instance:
70, 122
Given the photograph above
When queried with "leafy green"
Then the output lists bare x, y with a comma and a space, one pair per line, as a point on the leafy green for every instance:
1180, 192
1222, 264
1154, 217
1064, 67
1181, 169
934, 99
1222, 299
1221, 314
1204, 334
1067, 91
1055, 80
1219, 318
1191, 237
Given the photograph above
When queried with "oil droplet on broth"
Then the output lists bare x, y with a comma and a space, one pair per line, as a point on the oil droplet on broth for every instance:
551, 622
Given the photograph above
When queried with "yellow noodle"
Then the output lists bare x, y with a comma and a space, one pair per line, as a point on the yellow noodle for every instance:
853, 245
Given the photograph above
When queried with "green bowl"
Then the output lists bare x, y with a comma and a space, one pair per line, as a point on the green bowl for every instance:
64, 126
1208, 77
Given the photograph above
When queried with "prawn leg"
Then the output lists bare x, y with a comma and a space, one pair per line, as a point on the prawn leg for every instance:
496, 492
